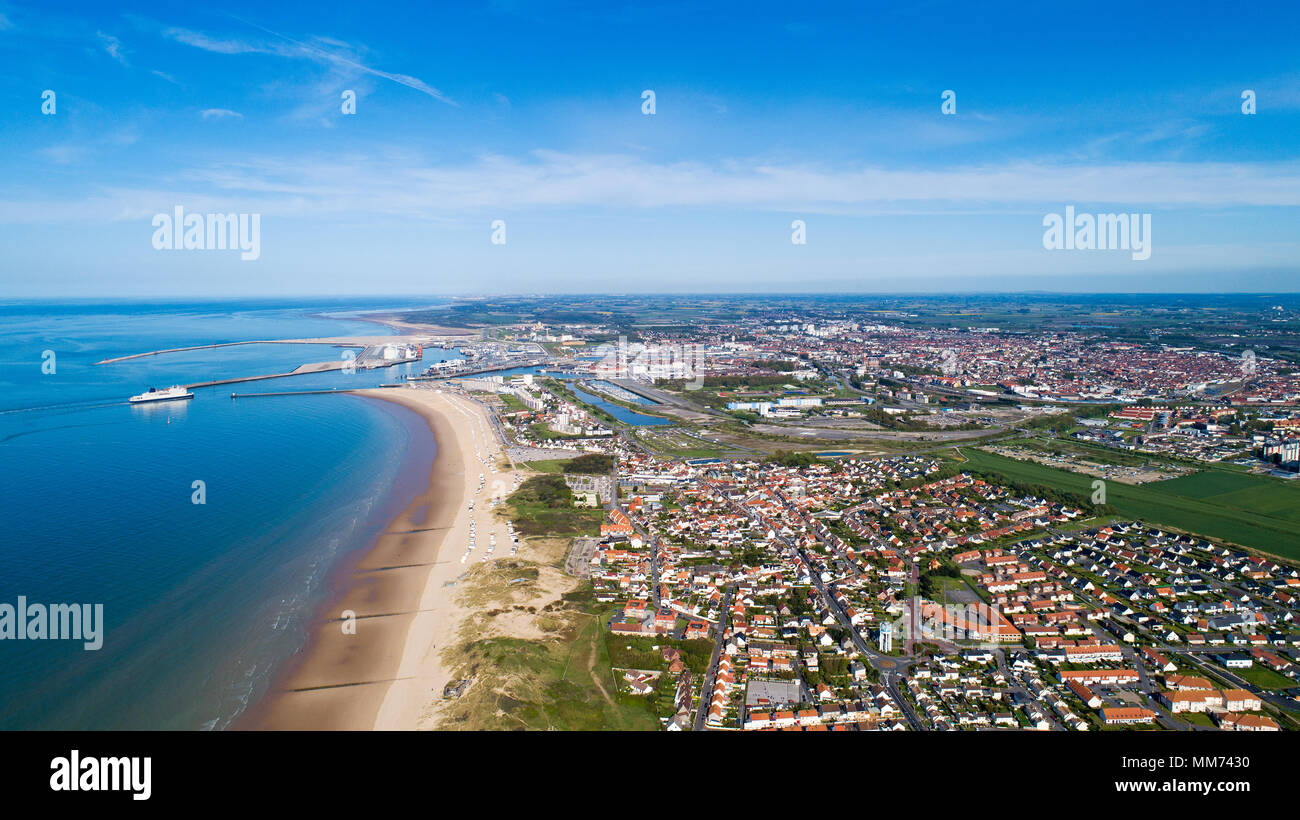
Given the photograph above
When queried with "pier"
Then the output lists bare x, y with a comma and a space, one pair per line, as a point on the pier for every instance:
319, 367
336, 341
291, 393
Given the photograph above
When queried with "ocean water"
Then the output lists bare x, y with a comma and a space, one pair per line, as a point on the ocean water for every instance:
203, 603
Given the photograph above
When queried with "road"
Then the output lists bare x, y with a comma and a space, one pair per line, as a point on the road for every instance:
706, 685
889, 667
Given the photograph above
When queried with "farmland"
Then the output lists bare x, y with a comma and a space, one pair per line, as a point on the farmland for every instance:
1252, 511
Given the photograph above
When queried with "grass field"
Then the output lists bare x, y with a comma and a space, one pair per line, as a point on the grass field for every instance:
1258, 494
1253, 511
1099, 455
1196, 719
543, 505
553, 465
952, 591
537, 661
674, 443
1265, 678
512, 402
561, 684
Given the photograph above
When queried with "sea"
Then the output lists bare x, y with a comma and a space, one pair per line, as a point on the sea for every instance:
211, 530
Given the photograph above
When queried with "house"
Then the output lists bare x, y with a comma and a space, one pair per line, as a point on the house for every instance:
1127, 715
1085, 694
617, 523
1157, 660
1233, 722
640, 685
1239, 700
1185, 682
1197, 700
1236, 660
1105, 677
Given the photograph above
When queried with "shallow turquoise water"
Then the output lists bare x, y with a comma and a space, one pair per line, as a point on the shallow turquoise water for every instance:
203, 603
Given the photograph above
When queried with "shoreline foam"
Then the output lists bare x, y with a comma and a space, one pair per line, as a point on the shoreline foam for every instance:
387, 675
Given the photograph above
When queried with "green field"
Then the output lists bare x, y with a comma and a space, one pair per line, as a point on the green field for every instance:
1253, 511
1265, 678
562, 684
674, 443
952, 591
1257, 494
543, 505
512, 403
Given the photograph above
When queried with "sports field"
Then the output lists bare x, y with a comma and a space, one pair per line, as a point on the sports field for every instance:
1253, 511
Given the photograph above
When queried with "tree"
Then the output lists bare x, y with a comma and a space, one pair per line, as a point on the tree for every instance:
793, 459
590, 464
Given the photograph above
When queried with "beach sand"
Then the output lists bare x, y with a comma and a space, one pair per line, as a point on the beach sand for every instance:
387, 675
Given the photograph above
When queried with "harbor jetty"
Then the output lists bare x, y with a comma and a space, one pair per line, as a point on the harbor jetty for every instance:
375, 352
337, 341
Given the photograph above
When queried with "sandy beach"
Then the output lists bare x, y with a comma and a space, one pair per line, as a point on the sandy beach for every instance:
387, 675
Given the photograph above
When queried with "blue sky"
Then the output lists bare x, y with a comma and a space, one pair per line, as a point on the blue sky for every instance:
531, 113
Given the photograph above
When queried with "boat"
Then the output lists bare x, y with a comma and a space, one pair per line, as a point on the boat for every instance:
170, 394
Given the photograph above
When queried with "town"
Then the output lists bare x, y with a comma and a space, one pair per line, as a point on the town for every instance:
966, 557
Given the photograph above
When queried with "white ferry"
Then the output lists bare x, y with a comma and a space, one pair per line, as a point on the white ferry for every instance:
170, 394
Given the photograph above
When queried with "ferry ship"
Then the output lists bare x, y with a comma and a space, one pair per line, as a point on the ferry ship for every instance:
170, 394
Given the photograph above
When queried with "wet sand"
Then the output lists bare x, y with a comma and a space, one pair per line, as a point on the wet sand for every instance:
387, 675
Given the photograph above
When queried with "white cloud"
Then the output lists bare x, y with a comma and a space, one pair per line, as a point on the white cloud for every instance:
396, 185
219, 113
323, 50
112, 46
64, 154
199, 40
554, 180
